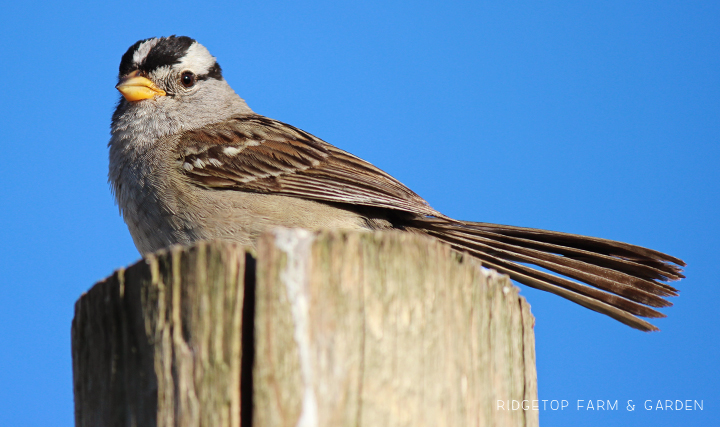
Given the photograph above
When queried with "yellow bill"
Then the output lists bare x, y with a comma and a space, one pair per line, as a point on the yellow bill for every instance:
137, 88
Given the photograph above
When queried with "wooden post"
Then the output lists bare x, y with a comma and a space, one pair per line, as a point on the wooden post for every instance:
328, 329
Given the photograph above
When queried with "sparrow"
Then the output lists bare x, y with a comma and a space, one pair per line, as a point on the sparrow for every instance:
190, 161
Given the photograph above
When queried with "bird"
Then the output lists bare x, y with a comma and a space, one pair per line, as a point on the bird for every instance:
190, 161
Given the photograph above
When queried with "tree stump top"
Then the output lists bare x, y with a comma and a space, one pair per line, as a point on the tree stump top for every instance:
313, 329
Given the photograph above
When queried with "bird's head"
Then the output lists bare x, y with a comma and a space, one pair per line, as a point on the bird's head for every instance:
177, 80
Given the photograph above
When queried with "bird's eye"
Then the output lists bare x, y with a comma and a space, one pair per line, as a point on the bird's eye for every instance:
187, 79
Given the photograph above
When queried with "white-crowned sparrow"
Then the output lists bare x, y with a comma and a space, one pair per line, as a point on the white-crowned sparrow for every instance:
189, 160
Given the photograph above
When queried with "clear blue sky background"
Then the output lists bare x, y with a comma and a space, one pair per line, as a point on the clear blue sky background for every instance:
593, 117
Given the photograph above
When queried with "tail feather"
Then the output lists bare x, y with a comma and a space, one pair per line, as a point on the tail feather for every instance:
623, 278
593, 303
609, 280
619, 264
671, 265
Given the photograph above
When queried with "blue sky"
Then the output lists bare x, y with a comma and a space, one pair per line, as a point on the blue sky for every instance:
597, 117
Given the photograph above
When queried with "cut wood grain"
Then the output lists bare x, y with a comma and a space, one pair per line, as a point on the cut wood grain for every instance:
317, 329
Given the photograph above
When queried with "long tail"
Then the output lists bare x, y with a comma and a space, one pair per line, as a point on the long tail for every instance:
625, 281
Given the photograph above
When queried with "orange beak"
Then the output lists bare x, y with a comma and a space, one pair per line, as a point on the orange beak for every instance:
136, 88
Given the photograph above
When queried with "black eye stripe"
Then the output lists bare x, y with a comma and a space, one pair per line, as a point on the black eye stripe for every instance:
215, 72
166, 52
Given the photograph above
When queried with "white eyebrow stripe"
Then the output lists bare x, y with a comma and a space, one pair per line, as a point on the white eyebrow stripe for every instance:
197, 59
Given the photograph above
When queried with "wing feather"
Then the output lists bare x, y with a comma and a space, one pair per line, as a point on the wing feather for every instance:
255, 154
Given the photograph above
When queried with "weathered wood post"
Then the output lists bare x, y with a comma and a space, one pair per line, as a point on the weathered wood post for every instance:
329, 329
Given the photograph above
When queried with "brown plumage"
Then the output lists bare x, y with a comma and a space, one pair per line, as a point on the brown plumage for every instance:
190, 161
252, 153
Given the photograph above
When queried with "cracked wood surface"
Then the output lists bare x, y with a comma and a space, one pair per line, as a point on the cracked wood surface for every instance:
159, 343
362, 329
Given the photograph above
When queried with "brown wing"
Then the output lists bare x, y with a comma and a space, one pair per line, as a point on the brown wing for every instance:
257, 154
